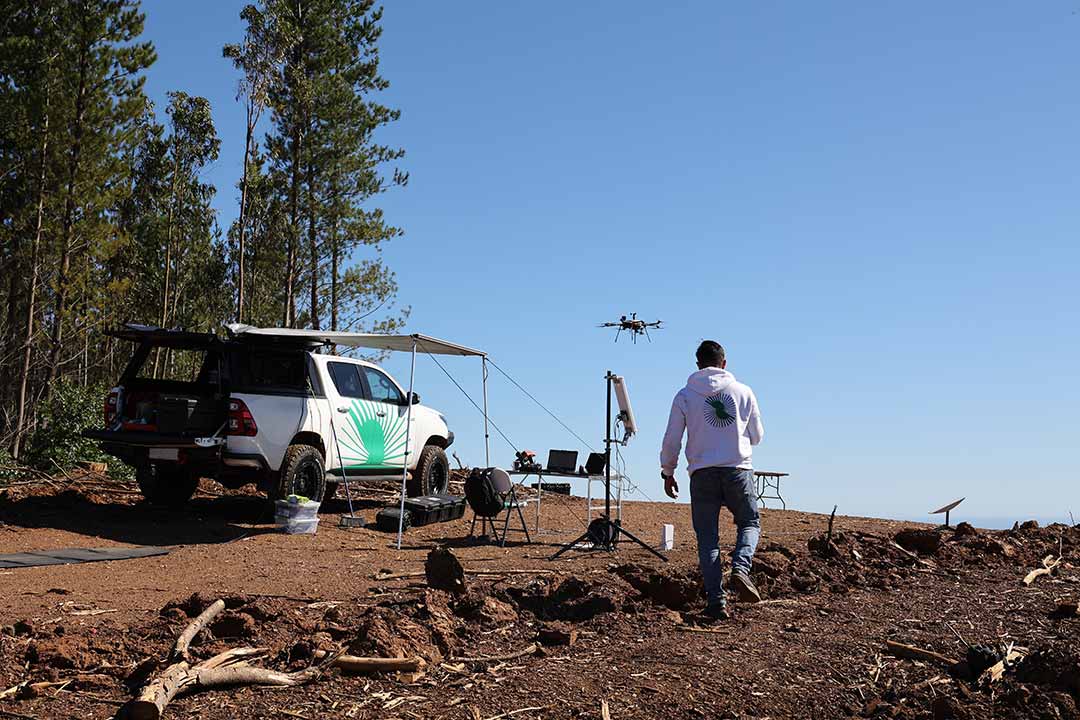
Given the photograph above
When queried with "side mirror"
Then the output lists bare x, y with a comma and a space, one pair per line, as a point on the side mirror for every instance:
415, 400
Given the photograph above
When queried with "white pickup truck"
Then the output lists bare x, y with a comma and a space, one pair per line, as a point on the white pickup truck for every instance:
271, 410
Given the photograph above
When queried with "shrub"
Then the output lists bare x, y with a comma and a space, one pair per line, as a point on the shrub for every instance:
57, 440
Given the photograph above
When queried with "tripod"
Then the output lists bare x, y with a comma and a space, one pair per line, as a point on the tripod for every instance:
602, 532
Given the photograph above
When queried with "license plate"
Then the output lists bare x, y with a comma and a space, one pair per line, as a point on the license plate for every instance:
164, 453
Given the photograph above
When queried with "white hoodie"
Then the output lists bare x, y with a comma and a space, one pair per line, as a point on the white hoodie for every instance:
721, 419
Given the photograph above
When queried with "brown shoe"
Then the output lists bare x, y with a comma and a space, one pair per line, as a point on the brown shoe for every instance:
744, 587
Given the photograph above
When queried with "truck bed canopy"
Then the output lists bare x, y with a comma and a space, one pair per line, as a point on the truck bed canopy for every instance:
400, 343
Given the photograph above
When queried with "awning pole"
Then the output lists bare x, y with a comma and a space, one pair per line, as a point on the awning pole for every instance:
487, 449
408, 438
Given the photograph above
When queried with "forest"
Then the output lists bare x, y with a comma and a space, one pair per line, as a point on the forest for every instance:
106, 219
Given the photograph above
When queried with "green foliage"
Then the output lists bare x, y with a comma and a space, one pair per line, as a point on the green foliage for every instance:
8, 468
58, 442
107, 219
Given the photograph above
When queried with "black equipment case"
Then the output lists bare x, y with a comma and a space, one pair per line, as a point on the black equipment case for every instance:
387, 519
435, 508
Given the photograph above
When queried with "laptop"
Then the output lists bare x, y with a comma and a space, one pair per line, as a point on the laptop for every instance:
595, 464
562, 461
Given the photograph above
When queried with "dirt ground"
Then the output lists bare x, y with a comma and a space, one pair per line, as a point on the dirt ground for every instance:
815, 649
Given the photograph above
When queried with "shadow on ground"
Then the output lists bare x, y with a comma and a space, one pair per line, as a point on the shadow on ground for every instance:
203, 520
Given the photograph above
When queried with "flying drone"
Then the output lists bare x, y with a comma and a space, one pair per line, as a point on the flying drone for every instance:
633, 326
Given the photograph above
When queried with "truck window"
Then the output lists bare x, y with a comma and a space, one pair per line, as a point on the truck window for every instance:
346, 380
185, 365
269, 370
383, 388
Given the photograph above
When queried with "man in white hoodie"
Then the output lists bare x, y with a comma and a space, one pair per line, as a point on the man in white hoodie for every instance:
721, 420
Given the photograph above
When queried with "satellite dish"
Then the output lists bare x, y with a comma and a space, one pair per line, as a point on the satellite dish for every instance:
946, 509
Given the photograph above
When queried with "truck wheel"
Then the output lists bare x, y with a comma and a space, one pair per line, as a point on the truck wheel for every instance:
432, 473
302, 474
166, 484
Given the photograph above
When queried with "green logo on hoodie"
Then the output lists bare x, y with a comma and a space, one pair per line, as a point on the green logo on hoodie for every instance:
720, 410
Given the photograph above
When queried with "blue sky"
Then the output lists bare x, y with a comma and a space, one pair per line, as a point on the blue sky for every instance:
873, 206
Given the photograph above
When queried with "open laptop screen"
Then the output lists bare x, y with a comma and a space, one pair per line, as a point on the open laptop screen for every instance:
562, 461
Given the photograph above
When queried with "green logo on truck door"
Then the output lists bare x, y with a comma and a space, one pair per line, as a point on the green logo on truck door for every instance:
370, 441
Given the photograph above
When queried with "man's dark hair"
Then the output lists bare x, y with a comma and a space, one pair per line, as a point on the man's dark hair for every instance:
710, 354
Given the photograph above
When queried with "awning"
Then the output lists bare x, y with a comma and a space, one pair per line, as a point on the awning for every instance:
401, 343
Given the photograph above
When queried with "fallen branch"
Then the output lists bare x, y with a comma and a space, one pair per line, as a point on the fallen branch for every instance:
224, 669
27, 689
914, 653
353, 663
499, 658
832, 518
1049, 564
247, 675
196, 626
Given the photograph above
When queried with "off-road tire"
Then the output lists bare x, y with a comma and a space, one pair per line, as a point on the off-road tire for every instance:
432, 473
167, 484
302, 473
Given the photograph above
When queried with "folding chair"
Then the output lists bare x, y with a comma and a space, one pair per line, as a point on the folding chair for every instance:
505, 489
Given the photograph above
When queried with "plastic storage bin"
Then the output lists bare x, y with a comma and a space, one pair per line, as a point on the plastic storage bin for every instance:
297, 515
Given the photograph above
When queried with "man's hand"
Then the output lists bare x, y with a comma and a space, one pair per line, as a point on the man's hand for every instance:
670, 486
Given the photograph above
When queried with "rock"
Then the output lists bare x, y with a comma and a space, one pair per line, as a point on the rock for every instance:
8, 630
1029, 525
233, 625
919, 540
804, 583
444, 571
23, 627
556, 634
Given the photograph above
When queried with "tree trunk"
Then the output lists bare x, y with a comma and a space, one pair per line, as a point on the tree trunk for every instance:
174, 211
67, 228
31, 293
294, 230
334, 276
242, 221
313, 245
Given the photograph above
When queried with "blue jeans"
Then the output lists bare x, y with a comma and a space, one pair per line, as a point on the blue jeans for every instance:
711, 489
